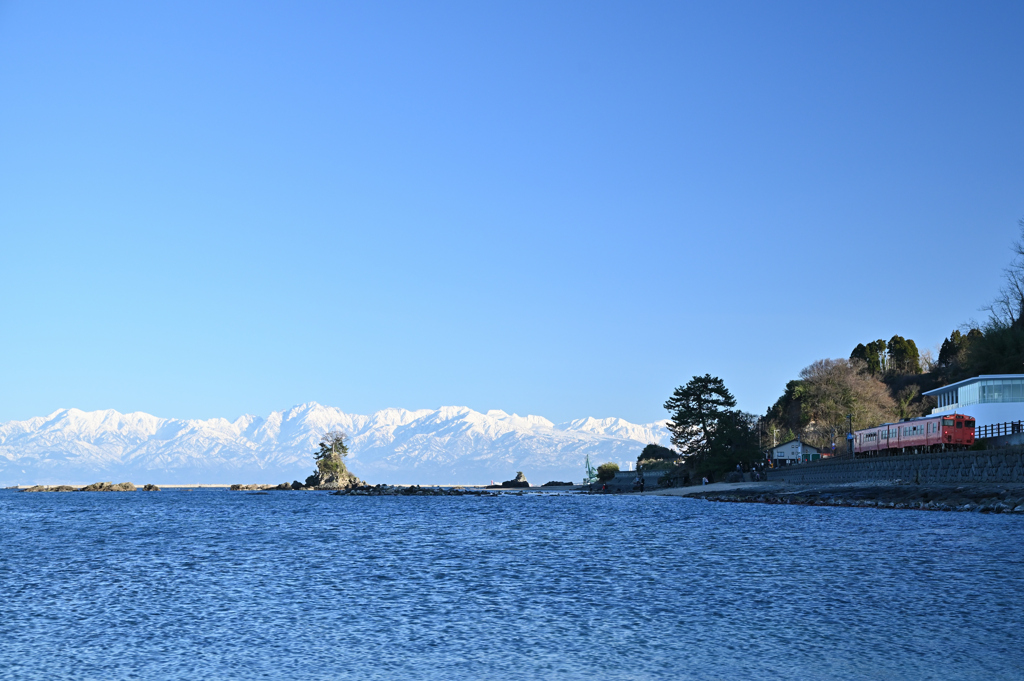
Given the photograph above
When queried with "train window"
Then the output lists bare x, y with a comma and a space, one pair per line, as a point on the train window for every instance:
959, 424
968, 424
947, 422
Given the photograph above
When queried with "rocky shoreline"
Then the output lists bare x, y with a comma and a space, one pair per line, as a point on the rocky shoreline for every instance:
94, 487
978, 498
373, 490
413, 490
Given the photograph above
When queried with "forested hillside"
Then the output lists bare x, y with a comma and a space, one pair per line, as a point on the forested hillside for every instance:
884, 380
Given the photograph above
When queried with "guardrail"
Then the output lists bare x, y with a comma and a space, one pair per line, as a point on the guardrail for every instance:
997, 429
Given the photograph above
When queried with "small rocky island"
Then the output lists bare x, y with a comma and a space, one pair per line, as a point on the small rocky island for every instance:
330, 474
517, 482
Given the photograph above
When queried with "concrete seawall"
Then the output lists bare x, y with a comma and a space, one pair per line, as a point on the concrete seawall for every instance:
623, 481
1005, 464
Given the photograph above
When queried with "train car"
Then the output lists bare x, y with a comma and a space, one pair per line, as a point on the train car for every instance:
937, 433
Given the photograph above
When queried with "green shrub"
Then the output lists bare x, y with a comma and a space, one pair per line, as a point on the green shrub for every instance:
607, 471
653, 452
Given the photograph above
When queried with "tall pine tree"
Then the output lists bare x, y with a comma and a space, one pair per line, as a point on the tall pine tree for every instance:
698, 410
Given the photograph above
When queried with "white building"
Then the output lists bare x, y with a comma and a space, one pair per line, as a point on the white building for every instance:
989, 399
794, 451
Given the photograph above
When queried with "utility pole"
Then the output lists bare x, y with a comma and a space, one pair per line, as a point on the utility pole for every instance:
849, 436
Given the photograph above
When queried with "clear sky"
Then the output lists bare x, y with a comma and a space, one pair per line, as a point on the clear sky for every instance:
565, 209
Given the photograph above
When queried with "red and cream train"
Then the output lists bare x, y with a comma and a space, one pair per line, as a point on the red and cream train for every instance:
926, 434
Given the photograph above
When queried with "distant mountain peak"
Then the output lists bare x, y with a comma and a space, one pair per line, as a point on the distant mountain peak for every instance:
450, 444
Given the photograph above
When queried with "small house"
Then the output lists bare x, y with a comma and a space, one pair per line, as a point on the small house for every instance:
793, 451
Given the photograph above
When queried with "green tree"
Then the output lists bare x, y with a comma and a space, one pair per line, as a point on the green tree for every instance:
653, 452
955, 352
998, 350
903, 356
873, 355
607, 471
735, 441
949, 349
333, 450
696, 410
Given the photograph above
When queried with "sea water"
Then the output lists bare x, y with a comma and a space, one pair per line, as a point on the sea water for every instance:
305, 585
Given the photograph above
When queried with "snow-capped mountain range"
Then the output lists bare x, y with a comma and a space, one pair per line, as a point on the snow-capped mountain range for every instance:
441, 446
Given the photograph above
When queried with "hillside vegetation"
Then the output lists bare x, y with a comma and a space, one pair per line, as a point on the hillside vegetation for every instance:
883, 381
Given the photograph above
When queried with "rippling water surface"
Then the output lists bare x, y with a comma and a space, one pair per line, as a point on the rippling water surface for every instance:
229, 585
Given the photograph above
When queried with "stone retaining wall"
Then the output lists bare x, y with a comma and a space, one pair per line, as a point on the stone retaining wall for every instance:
994, 465
623, 481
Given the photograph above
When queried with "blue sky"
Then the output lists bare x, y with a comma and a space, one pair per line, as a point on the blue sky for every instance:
565, 209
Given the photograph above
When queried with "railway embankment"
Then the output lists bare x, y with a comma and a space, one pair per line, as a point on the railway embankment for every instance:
1001, 465
978, 498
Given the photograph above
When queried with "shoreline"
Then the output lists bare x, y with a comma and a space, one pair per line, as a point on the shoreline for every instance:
968, 497
979, 497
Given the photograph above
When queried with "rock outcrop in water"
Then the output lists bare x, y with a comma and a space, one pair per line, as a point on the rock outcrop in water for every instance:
331, 472
518, 481
94, 487
337, 480
327, 482
109, 487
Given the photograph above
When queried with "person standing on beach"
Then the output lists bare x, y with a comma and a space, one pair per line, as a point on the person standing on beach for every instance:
641, 484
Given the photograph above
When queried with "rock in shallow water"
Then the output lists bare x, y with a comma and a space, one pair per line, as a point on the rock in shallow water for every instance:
109, 487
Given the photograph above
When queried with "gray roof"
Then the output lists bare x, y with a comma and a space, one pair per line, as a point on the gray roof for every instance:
970, 380
794, 440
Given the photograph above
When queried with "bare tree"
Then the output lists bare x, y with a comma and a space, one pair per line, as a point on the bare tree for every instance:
332, 446
927, 361
1008, 307
833, 388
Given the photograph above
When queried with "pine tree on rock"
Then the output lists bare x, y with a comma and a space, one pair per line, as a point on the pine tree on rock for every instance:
331, 471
